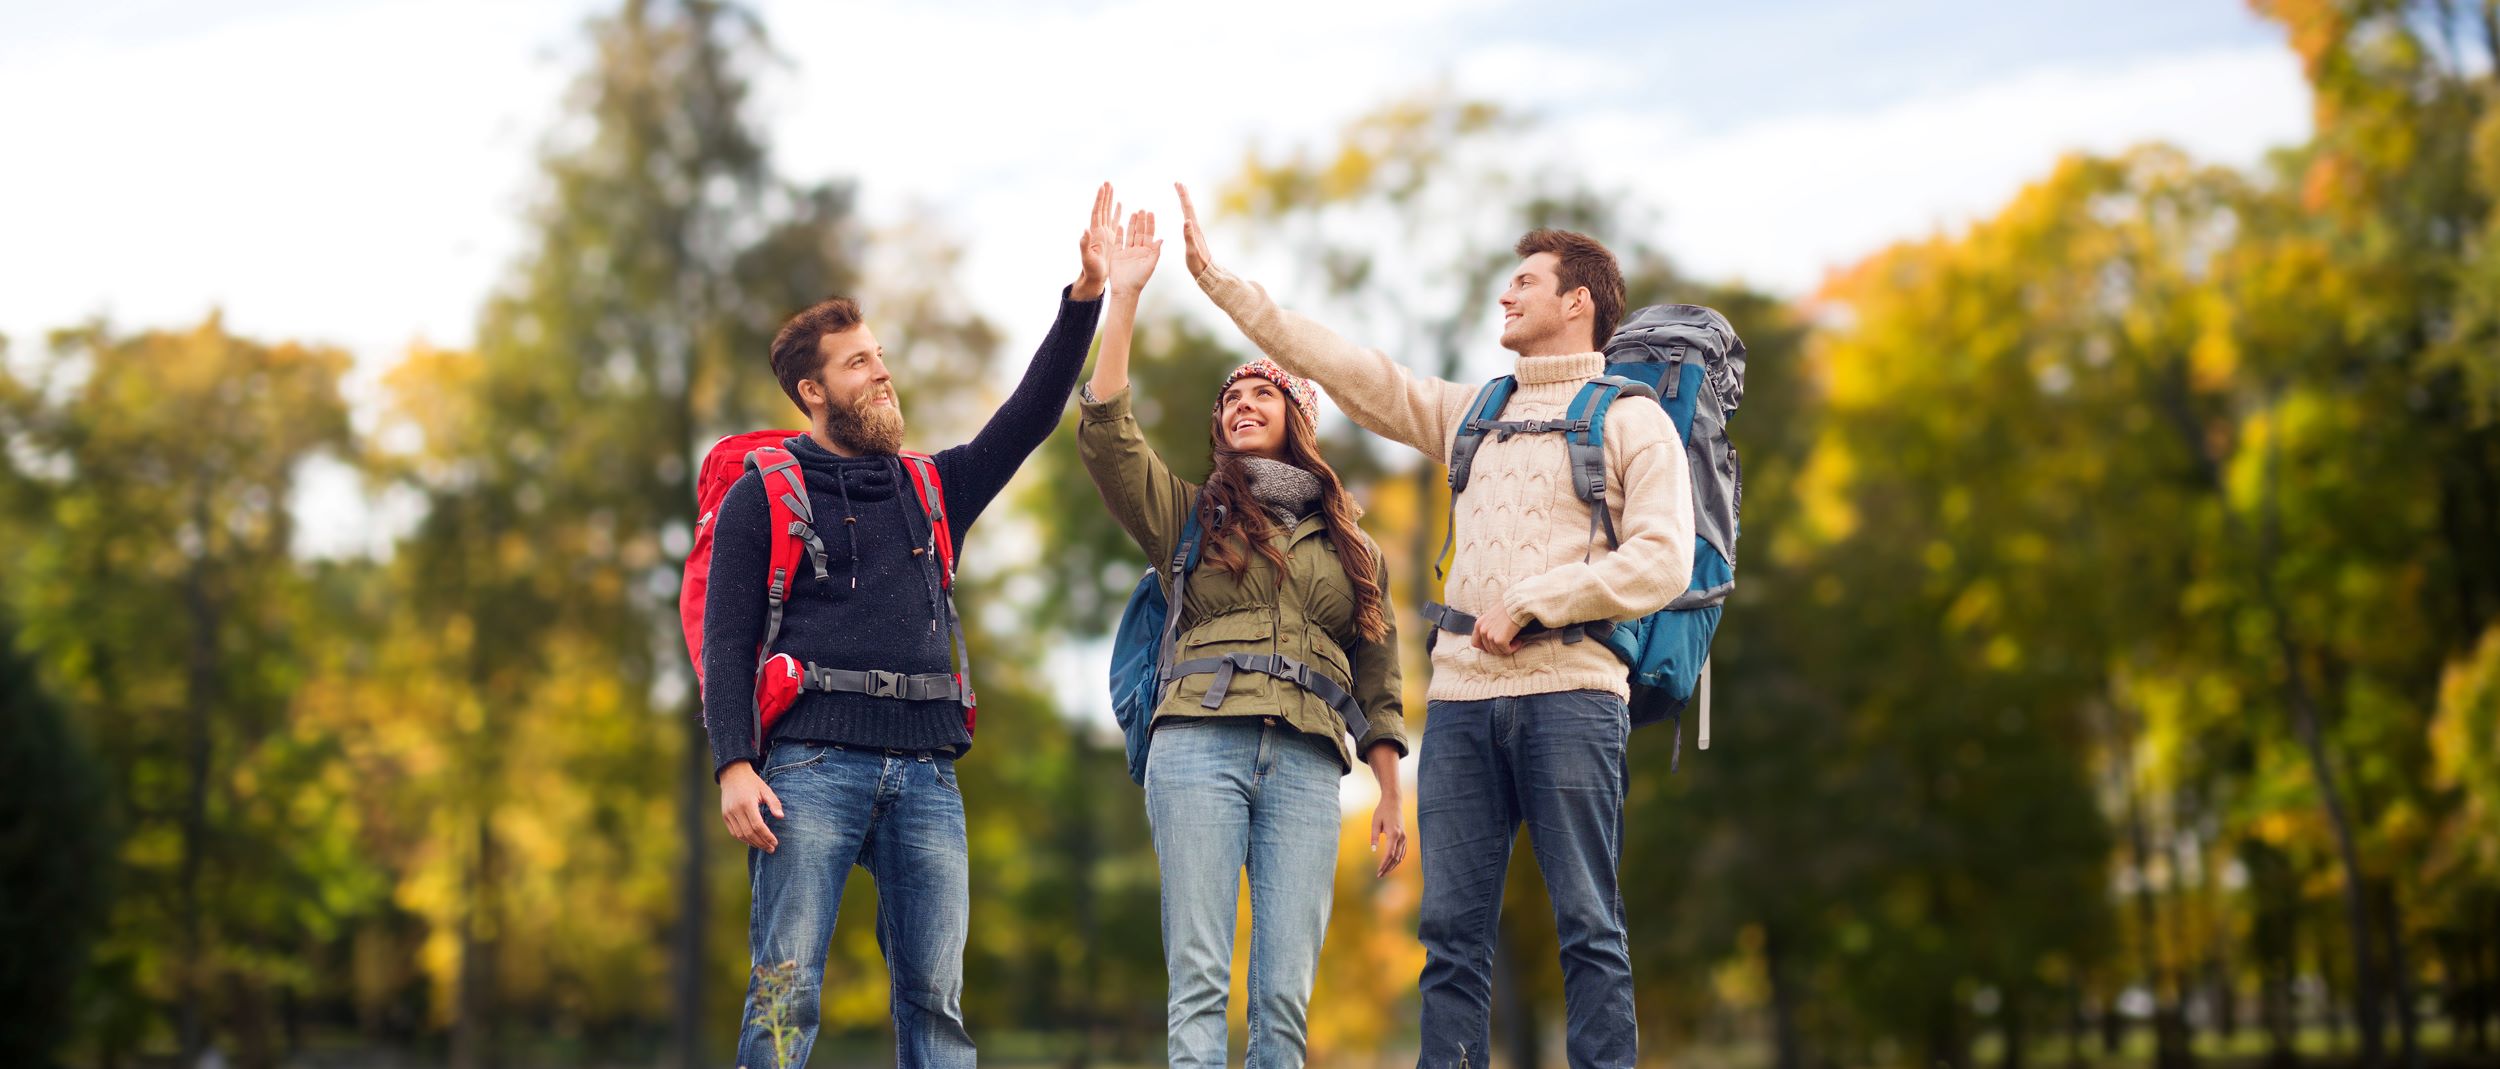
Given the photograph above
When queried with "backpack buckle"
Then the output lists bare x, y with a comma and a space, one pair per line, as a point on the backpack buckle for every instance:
882, 684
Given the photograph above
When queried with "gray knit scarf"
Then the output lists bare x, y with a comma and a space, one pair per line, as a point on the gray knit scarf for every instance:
1289, 492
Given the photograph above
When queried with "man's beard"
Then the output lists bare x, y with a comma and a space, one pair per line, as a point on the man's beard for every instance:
865, 427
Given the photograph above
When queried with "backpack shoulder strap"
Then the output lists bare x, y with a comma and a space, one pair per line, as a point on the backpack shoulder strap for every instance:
793, 518
793, 525
1481, 413
932, 494
1184, 561
1587, 441
925, 486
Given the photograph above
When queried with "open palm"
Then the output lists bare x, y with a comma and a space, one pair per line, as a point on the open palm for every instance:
1134, 254
1093, 247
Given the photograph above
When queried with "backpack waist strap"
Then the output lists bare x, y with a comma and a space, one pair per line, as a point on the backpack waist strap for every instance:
1282, 667
926, 687
1445, 618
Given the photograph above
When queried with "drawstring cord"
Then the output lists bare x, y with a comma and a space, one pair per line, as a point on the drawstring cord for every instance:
850, 525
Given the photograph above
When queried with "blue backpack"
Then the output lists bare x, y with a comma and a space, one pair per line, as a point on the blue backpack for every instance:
1689, 359
1142, 647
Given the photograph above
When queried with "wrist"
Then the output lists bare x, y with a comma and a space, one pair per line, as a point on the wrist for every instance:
1085, 289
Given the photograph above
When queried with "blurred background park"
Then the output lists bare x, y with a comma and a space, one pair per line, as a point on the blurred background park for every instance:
2114, 679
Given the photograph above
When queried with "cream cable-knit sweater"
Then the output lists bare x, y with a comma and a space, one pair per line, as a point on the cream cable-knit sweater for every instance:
1521, 532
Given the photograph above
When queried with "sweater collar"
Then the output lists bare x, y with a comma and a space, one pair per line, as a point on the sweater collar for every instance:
1569, 367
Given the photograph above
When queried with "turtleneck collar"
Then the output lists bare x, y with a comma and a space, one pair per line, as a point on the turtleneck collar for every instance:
1567, 367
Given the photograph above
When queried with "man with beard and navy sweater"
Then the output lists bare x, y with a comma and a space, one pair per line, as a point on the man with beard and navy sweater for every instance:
849, 778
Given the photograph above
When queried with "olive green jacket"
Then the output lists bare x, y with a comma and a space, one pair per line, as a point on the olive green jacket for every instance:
1311, 619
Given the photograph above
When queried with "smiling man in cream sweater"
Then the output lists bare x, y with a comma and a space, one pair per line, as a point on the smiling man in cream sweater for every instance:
1519, 727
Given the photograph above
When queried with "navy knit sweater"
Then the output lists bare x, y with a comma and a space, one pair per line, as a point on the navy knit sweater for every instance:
878, 609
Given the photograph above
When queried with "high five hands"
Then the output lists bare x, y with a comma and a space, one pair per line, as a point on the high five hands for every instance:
1134, 253
1093, 247
1193, 236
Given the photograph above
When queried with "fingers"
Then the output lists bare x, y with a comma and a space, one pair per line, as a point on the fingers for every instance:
746, 822
1102, 206
1189, 212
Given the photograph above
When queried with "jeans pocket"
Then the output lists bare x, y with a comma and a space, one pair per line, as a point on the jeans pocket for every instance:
943, 771
790, 756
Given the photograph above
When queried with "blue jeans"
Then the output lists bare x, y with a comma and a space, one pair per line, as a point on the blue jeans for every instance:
1556, 762
1223, 795
900, 817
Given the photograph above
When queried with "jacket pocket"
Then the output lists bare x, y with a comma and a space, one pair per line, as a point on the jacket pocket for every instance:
1332, 660
1233, 632
1247, 631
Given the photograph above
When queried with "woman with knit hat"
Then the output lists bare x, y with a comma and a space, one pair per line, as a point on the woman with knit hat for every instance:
1287, 647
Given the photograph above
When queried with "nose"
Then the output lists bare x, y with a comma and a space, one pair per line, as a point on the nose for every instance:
882, 375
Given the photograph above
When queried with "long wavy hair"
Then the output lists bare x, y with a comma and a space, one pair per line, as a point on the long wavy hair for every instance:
1248, 525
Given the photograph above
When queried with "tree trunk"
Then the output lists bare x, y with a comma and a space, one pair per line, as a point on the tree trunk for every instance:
2076, 1025
2307, 722
1787, 1046
2173, 401
200, 703
2170, 1052
1083, 854
694, 825
472, 1029
1948, 1044
2113, 1024
2275, 1010
2484, 952
2400, 977
2332, 1003
2011, 1027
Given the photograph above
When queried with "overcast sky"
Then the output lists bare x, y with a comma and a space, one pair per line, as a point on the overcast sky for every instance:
354, 172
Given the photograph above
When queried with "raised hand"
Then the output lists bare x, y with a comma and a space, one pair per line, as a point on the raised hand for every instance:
1134, 255
1093, 247
1193, 236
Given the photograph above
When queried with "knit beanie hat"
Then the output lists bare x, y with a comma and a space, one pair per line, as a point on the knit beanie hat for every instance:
1298, 389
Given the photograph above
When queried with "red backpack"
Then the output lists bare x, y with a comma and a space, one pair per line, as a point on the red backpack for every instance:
779, 676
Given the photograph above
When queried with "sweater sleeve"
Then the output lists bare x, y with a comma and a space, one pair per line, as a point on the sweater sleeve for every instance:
1379, 682
1379, 393
1150, 502
733, 620
1650, 477
976, 471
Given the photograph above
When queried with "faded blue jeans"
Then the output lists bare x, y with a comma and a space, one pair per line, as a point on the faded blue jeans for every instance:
1555, 762
1226, 794
900, 817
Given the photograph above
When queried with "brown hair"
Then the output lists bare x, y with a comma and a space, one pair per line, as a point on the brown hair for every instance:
1248, 524
1584, 262
798, 348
